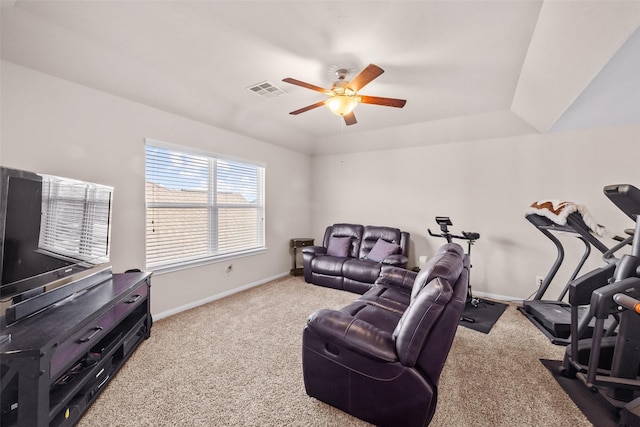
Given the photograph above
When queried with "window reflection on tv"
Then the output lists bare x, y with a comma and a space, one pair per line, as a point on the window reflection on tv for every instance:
51, 227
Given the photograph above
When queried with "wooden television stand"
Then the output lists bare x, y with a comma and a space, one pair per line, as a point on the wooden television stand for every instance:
56, 362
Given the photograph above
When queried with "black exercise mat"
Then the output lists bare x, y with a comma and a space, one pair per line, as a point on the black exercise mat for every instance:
595, 407
484, 316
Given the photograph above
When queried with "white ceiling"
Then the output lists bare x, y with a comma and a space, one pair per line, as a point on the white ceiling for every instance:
468, 69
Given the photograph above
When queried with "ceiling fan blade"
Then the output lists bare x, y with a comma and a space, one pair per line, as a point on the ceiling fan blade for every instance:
365, 77
305, 85
350, 119
387, 102
307, 108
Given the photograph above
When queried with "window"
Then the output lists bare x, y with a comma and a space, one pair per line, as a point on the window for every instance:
199, 207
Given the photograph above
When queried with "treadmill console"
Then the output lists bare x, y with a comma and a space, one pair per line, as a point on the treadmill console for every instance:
625, 197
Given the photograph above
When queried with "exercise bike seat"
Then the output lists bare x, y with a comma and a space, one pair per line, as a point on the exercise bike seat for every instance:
470, 235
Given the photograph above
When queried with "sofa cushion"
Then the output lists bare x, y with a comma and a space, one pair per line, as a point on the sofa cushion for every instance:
372, 234
362, 270
353, 231
328, 265
339, 246
383, 249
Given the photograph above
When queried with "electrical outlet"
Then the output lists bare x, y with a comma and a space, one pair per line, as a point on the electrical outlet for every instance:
229, 269
539, 281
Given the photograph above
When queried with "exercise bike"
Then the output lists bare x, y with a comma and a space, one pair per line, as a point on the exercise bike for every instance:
444, 222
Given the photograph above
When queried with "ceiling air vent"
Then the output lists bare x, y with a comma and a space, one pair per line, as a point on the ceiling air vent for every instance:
266, 90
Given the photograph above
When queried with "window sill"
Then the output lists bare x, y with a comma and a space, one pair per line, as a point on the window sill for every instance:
169, 268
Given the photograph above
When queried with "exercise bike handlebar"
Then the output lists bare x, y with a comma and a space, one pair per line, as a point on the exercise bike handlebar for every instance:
627, 302
466, 235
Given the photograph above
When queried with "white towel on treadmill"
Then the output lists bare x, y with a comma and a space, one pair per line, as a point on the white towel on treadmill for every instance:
558, 211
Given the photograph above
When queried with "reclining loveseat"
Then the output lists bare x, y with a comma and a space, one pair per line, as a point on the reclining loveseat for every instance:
352, 255
380, 358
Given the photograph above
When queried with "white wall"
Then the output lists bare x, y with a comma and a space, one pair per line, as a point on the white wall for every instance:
484, 186
53, 126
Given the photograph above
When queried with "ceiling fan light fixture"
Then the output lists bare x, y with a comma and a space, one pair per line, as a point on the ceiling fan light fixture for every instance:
341, 104
343, 95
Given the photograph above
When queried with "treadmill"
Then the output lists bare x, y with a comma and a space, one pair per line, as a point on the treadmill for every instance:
553, 317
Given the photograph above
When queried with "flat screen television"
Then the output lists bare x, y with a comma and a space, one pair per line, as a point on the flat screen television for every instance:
51, 228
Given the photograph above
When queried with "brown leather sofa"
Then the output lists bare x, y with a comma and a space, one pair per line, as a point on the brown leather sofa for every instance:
380, 358
352, 255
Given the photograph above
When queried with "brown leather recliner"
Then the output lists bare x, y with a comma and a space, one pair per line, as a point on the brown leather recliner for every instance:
380, 358
352, 255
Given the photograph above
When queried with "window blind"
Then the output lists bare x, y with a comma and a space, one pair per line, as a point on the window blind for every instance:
200, 207
75, 218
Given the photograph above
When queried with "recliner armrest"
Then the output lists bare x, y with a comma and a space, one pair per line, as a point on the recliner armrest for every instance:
396, 260
396, 276
314, 250
343, 329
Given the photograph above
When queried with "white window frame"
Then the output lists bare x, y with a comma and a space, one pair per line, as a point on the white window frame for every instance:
213, 205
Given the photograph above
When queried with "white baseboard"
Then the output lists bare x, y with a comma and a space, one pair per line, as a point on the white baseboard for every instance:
278, 276
216, 297
496, 296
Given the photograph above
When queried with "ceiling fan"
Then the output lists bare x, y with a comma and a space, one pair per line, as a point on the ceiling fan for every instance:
343, 95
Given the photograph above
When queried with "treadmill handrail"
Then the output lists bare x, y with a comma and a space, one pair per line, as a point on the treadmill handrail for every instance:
574, 225
575, 221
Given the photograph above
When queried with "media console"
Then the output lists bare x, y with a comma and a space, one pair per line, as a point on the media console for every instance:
56, 362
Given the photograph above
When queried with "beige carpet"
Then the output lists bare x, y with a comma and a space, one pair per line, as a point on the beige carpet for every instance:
237, 362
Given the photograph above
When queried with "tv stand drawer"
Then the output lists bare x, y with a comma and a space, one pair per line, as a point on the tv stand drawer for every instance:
136, 297
79, 343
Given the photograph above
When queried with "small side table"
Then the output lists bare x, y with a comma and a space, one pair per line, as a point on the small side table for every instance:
295, 243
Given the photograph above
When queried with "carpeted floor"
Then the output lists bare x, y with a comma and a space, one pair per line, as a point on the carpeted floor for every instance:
237, 362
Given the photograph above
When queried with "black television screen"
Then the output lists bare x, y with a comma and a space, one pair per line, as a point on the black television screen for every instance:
50, 228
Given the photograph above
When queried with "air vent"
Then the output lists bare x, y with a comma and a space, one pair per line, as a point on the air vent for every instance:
266, 90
